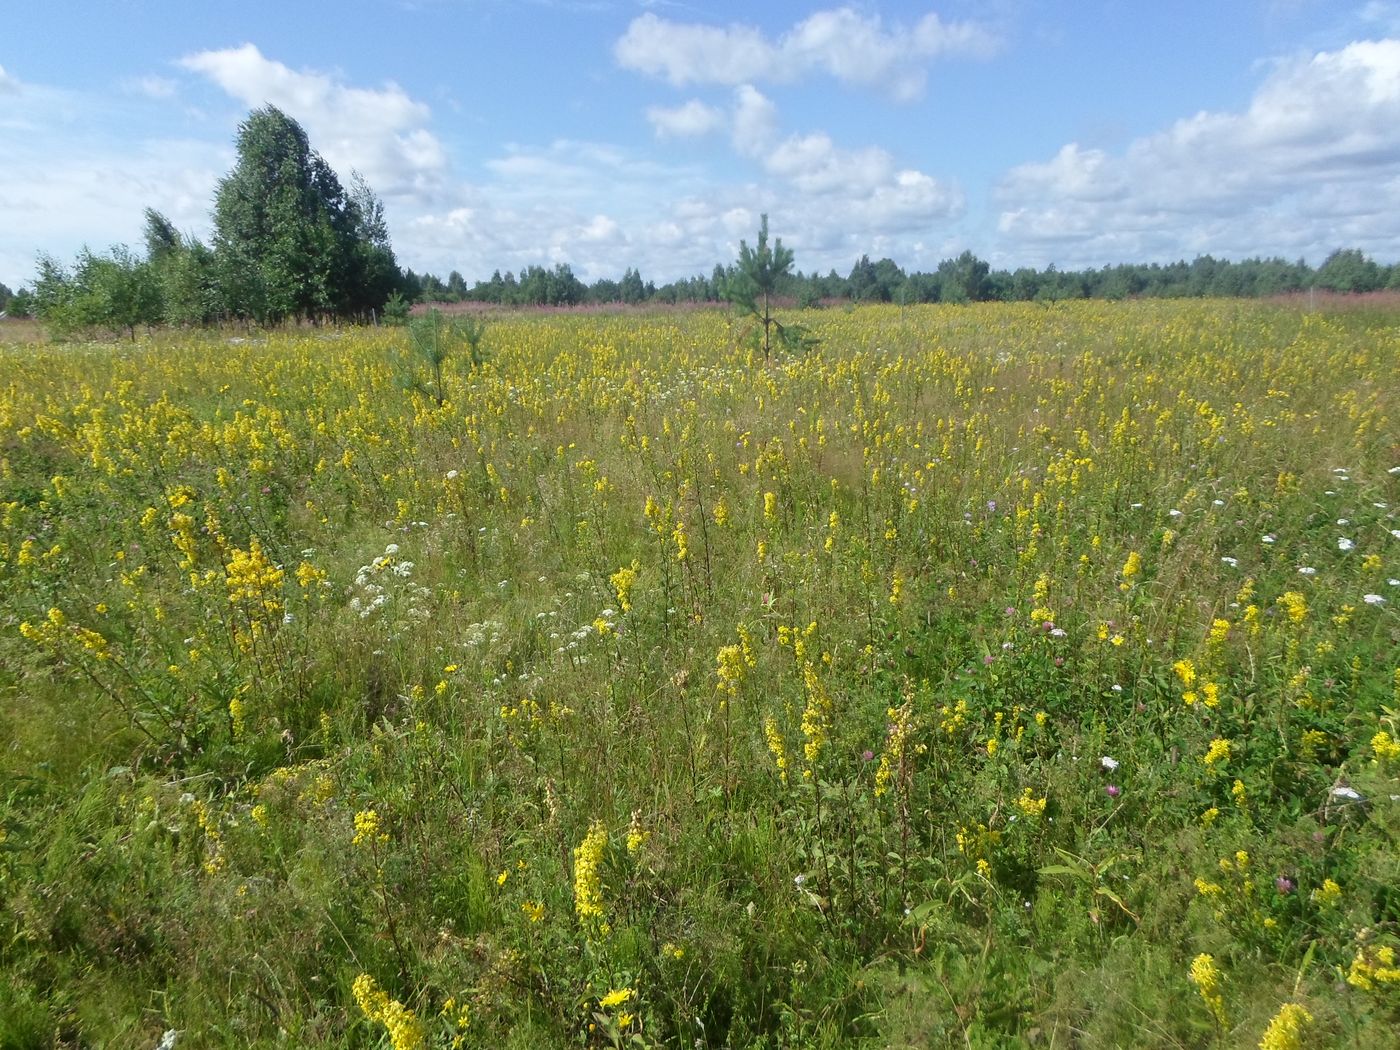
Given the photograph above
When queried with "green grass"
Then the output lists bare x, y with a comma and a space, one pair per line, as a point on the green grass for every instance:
291, 593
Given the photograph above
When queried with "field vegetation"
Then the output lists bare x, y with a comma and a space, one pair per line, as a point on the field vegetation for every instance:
979, 676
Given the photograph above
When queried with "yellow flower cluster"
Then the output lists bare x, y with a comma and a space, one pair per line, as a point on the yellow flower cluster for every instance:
892, 757
1328, 894
406, 1031
1286, 1030
1029, 805
622, 583
1131, 568
1209, 981
368, 830
774, 738
1373, 966
636, 835
1295, 605
252, 578
1217, 754
588, 877
1385, 747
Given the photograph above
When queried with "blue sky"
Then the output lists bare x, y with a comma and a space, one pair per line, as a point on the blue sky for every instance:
652, 133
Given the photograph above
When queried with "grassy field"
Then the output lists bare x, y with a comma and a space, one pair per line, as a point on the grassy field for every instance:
991, 676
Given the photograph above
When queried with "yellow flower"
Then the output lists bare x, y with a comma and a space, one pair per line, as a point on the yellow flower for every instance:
1208, 980
1131, 567
636, 836
1384, 747
1218, 752
1030, 805
588, 877
1295, 605
774, 739
1285, 1031
616, 997
534, 910
406, 1031
622, 582
1328, 894
368, 831
1373, 966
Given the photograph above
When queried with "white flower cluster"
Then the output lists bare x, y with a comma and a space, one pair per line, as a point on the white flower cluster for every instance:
376, 583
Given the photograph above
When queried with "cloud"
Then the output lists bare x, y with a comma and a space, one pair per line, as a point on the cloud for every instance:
379, 132
755, 121
842, 43
92, 194
602, 208
151, 87
1311, 164
690, 120
8, 84
862, 186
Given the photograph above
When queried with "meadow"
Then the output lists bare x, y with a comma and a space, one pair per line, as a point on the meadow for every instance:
988, 676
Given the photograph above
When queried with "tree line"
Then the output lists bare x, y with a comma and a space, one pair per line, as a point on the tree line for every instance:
963, 279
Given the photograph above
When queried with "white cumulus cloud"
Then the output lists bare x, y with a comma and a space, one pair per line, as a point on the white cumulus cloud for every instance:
380, 132
1312, 164
853, 48
689, 120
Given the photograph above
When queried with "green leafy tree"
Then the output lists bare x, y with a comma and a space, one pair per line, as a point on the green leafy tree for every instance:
962, 280
117, 292
751, 288
1349, 270
290, 241
185, 273
376, 273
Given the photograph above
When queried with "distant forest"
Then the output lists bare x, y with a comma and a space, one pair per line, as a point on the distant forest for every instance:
964, 279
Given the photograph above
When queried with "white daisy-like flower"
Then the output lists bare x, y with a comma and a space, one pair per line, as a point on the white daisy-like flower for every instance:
1344, 544
1217, 503
1268, 537
1373, 599
1395, 533
1393, 470
1306, 570
1343, 521
1108, 764
1393, 583
1232, 562
1174, 513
